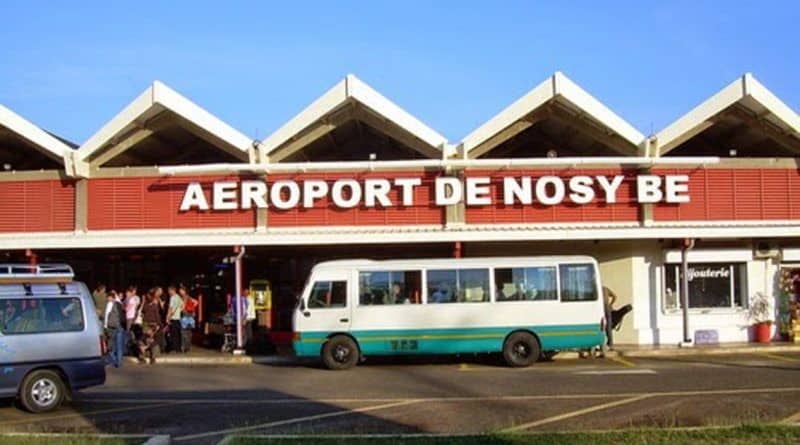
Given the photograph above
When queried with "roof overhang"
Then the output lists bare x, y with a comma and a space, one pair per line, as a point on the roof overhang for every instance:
745, 98
134, 122
560, 97
351, 99
46, 143
344, 235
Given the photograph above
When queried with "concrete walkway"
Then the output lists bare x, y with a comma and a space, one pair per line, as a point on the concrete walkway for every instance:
200, 356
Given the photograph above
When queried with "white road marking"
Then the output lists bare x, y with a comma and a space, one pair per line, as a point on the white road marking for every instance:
37, 419
616, 371
294, 420
575, 413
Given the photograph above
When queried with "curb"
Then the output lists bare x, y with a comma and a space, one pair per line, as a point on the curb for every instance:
225, 359
702, 350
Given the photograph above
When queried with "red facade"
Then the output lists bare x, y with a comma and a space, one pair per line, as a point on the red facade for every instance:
625, 209
716, 194
37, 206
325, 213
154, 203
735, 194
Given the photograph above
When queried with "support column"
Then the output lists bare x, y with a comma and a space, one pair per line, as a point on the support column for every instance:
688, 244
81, 205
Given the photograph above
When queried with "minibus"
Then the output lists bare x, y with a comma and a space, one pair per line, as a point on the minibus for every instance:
522, 307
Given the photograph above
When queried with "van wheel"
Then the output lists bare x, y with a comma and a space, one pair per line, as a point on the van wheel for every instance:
42, 390
340, 352
521, 349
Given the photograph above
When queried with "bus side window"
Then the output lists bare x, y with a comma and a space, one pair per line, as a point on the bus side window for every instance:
578, 282
327, 294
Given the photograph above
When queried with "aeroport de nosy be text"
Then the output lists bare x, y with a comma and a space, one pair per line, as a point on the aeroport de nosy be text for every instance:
449, 190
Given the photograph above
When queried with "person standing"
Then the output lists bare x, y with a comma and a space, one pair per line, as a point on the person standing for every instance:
152, 322
113, 323
174, 309
242, 302
187, 318
99, 296
249, 319
132, 302
609, 298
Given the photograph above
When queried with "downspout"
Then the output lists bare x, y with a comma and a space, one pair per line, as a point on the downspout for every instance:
688, 244
238, 302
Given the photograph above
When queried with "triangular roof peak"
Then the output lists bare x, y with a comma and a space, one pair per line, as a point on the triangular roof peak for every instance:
135, 123
47, 144
746, 100
331, 110
560, 96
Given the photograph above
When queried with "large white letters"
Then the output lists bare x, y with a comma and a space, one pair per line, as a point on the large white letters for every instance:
194, 197
349, 193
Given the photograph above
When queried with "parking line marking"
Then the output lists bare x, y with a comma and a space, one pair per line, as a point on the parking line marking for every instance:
294, 420
87, 413
780, 357
623, 362
617, 372
575, 413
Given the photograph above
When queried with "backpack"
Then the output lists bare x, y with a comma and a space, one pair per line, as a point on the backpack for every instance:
116, 315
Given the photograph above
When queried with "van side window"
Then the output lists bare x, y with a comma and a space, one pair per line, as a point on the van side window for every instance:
328, 294
40, 315
525, 283
458, 286
389, 287
578, 282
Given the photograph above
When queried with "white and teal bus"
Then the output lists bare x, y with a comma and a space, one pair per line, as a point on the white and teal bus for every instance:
520, 306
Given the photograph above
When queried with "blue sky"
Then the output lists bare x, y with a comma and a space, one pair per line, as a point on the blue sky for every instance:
70, 67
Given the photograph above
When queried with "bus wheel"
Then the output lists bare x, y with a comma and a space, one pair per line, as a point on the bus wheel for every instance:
41, 391
340, 352
521, 349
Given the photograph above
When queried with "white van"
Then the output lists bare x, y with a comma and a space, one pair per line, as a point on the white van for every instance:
520, 306
51, 342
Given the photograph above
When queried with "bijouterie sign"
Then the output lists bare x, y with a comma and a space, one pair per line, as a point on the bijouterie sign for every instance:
448, 190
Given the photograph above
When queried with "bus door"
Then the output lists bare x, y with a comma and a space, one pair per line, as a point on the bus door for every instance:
327, 307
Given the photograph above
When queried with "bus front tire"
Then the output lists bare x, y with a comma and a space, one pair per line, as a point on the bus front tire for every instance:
340, 352
42, 390
521, 349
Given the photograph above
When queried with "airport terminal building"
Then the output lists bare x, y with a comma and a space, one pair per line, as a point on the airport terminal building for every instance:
165, 191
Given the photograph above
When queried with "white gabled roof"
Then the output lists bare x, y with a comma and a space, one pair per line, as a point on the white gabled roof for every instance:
159, 97
557, 87
745, 91
350, 90
49, 145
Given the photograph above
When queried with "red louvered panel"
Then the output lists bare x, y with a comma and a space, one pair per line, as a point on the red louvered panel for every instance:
154, 203
37, 206
721, 200
735, 194
325, 213
12, 203
793, 184
625, 209
63, 210
749, 195
775, 195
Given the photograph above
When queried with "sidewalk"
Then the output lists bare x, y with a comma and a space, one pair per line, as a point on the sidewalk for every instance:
724, 348
199, 356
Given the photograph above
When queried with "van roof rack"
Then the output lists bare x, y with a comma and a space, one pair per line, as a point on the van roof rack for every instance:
27, 273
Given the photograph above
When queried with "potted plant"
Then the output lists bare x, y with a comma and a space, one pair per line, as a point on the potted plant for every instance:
760, 313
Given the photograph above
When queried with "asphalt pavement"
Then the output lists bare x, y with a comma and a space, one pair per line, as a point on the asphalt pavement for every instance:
201, 404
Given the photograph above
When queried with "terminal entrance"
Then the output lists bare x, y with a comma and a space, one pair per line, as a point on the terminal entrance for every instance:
209, 275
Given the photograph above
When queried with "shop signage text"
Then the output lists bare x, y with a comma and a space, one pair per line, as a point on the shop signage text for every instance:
448, 190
